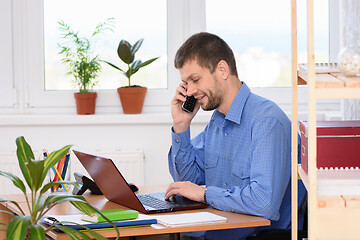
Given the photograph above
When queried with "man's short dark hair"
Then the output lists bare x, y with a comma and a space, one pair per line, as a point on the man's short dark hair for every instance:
208, 50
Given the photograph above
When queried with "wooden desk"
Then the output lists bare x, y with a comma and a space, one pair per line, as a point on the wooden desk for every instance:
234, 220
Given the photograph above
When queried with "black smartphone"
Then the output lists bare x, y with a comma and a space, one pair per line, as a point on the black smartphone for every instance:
189, 104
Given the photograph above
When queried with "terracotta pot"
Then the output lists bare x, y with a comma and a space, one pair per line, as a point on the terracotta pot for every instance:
85, 103
132, 99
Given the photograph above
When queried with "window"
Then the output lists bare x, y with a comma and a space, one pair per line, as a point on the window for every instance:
31, 34
39, 97
259, 32
131, 23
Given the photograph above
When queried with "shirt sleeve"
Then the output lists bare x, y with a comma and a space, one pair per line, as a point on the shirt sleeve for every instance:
269, 174
186, 157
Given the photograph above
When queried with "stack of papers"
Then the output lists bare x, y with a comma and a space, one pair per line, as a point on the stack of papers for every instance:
186, 219
74, 219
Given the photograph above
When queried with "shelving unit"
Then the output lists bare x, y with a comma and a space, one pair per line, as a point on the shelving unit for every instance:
329, 217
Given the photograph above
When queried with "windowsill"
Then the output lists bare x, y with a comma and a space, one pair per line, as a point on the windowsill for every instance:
38, 119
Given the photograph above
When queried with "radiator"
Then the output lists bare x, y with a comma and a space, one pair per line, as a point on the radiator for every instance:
130, 164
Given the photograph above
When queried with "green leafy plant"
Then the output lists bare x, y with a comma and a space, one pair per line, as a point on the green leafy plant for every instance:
26, 226
81, 62
126, 53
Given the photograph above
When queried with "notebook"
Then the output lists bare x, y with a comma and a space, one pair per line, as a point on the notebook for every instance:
116, 189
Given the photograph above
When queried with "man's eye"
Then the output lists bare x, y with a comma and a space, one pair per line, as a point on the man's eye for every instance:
195, 80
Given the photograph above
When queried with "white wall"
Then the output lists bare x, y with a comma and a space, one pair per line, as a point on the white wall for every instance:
147, 132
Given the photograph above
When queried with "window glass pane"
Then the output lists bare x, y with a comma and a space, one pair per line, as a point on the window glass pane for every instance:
259, 32
131, 22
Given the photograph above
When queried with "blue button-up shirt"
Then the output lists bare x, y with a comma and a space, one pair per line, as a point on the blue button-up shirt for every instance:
244, 159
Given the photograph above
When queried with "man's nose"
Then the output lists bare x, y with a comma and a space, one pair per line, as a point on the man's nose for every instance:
191, 90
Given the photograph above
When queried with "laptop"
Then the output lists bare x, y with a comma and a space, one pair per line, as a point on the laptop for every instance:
116, 189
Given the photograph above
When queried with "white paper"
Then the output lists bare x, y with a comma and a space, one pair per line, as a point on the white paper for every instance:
185, 219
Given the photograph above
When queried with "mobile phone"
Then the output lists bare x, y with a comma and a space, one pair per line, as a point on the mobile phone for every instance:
189, 104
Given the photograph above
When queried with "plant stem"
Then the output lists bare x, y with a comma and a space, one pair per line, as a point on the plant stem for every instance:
129, 76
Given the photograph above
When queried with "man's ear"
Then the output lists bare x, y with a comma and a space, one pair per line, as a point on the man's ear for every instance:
224, 69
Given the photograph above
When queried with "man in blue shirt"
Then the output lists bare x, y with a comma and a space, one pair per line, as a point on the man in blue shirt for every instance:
243, 156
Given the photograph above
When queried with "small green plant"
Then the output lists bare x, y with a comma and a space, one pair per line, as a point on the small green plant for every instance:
81, 62
126, 53
26, 226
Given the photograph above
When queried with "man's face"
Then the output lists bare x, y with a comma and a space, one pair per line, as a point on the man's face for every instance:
202, 84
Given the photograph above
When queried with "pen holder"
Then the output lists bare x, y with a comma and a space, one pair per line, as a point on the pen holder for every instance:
59, 173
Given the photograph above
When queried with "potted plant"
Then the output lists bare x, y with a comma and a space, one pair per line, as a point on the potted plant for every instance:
82, 64
131, 96
24, 226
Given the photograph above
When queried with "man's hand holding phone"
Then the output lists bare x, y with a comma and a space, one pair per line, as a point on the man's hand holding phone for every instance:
183, 110
189, 104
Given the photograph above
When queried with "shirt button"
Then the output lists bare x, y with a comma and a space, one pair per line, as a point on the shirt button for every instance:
175, 162
206, 164
177, 140
225, 184
225, 157
226, 134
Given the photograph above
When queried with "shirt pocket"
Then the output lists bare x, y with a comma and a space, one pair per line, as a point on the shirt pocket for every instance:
211, 161
240, 175
211, 169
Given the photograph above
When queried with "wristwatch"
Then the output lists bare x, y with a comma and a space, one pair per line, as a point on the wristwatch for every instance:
205, 195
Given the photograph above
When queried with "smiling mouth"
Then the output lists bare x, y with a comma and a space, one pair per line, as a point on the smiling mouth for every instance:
200, 98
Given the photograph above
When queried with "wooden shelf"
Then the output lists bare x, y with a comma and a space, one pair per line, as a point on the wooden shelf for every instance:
333, 85
333, 200
334, 182
330, 80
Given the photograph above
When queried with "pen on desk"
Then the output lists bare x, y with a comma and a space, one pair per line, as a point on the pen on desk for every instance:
60, 168
57, 172
56, 177
63, 173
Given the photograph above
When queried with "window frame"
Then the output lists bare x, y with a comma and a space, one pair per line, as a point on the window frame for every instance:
184, 18
8, 97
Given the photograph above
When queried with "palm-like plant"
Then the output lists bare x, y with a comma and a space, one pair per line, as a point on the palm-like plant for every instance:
82, 64
24, 226
126, 53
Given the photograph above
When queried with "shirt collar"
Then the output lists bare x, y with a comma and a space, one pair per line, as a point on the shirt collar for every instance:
235, 112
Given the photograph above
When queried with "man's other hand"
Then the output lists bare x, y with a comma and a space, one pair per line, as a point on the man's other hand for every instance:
186, 189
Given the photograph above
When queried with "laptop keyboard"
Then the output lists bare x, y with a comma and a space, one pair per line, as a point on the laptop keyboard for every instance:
155, 202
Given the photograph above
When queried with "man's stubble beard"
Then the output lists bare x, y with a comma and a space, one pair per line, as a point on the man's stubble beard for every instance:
215, 97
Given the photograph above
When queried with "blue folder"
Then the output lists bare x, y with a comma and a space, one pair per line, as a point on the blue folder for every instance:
51, 220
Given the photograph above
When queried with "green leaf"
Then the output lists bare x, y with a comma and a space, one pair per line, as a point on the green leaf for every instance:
8, 212
53, 158
114, 66
144, 64
124, 52
55, 199
18, 227
135, 64
84, 207
13, 202
88, 209
24, 153
36, 169
72, 233
84, 236
136, 46
37, 233
16, 181
97, 235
